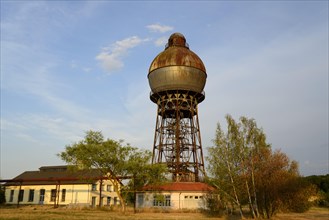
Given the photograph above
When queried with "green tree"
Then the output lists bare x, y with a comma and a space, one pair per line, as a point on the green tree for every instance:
232, 161
245, 170
225, 161
115, 160
142, 173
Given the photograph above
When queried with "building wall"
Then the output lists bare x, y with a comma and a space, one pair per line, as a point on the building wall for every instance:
171, 200
73, 194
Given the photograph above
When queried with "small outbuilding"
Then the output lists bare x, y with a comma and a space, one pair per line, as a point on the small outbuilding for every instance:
175, 195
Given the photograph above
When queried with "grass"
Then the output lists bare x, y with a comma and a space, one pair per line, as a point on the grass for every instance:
64, 213
313, 213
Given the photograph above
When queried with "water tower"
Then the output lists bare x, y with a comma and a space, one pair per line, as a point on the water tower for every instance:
177, 77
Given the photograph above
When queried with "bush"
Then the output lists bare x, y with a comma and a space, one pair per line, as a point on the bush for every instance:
214, 205
322, 184
323, 199
296, 195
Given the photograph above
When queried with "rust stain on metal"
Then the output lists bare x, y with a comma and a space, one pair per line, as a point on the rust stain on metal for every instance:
177, 53
177, 68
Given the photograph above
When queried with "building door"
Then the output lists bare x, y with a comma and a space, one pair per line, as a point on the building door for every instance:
42, 196
140, 200
93, 201
108, 200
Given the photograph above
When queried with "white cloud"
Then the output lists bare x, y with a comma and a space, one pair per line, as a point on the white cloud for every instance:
159, 28
109, 62
111, 57
161, 41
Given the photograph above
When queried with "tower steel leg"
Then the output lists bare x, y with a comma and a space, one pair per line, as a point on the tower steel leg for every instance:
177, 139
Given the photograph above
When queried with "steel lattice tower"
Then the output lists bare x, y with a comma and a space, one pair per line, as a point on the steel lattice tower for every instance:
177, 77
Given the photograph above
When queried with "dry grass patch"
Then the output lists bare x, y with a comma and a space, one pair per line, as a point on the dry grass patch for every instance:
313, 213
64, 213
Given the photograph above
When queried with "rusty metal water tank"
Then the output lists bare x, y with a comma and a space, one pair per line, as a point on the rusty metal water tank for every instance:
177, 77
177, 68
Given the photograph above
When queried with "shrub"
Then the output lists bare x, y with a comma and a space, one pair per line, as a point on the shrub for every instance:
214, 205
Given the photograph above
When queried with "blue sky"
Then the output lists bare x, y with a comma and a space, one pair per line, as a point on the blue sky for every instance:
72, 66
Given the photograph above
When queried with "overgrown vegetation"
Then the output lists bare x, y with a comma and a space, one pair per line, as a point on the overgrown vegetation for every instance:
322, 186
247, 172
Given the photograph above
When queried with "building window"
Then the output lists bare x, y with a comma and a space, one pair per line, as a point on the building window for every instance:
161, 200
167, 200
63, 195
31, 195
42, 196
196, 197
108, 200
21, 195
109, 188
53, 195
157, 200
11, 198
115, 200
93, 187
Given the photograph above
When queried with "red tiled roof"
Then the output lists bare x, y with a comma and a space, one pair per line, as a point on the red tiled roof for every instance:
181, 186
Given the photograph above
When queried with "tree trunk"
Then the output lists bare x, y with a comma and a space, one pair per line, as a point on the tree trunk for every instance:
134, 192
237, 201
122, 201
57, 193
254, 188
100, 193
250, 201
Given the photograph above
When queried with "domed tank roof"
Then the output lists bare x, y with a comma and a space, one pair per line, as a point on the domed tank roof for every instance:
177, 68
177, 53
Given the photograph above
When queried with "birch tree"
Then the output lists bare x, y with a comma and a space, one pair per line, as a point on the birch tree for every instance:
223, 165
245, 170
232, 161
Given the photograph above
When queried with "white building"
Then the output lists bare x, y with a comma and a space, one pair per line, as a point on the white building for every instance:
176, 195
58, 185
